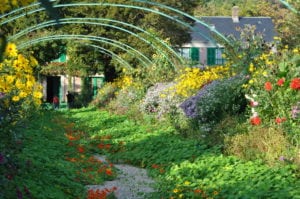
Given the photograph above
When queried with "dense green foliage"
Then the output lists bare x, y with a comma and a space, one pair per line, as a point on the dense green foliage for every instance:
185, 167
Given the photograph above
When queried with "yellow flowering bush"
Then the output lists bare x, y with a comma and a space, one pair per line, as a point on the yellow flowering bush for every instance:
19, 90
112, 89
191, 80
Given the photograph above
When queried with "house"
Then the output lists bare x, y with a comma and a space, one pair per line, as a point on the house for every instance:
203, 51
55, 81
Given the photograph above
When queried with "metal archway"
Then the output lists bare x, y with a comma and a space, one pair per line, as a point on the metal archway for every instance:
86, 20
111, 26
134, 7
91, 38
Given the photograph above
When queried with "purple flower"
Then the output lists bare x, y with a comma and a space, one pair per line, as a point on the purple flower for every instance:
2, 158
281, 158
189, 106
295, 111
2, 95
19, 194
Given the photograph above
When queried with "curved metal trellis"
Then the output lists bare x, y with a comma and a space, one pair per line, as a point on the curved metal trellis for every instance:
134, 7
111, 26
91, 38
86, 21
129, 6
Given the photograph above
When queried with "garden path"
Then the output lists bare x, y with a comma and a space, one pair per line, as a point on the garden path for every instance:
131, 183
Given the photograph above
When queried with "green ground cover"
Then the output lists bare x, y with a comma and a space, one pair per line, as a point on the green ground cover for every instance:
55, 160
183, 168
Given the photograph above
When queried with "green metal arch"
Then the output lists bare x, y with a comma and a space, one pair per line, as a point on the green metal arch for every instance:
289, 6
109, 53
88, 37
122, 29
53, 22
124, 6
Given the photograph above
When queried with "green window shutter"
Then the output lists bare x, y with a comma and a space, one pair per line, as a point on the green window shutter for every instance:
95, 86
63, 57
211, 56
194, 54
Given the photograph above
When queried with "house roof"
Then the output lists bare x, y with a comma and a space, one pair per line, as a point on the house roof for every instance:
225, 26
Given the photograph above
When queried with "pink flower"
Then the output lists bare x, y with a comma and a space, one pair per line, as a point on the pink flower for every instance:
253, 103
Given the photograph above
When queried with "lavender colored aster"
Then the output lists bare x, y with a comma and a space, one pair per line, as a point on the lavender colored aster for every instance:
189, 106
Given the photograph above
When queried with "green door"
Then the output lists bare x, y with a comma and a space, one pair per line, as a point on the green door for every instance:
97, 82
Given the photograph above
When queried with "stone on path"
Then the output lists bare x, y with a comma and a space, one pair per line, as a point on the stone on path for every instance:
131, 182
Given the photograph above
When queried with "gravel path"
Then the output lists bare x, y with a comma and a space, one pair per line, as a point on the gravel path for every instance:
131, 182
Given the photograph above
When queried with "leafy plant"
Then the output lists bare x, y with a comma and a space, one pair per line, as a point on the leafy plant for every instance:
273, 90
269, 144
212, 104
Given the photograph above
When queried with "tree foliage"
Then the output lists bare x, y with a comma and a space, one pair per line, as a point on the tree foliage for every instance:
159, 28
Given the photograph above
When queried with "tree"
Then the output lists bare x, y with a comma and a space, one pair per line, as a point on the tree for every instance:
160, 26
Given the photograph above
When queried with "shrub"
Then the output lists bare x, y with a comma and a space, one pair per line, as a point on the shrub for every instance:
266, 143
105, 94
159, 100
214, 101
273, 90
190, 80
126, 98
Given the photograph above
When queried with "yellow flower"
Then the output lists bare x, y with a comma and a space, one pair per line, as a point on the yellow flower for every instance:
265, 74
251, 67
37, 94
187, 183
15, 98
23, 94
175, 190
33, 61
11, 50
244, 86
295, 50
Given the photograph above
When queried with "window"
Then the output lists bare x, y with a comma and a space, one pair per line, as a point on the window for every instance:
185, 52
191, 54
214, 56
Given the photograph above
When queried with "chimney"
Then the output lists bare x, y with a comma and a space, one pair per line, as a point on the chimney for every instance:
235, 14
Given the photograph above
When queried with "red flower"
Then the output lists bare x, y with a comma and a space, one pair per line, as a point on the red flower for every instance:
295, 84
255, 121
268, 86
279, 120
108, 172
280, 82
80, 149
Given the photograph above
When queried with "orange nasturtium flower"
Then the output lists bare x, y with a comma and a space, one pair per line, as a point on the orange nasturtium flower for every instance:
268, 86
255, 121
295, 84
280, 82
80, 149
